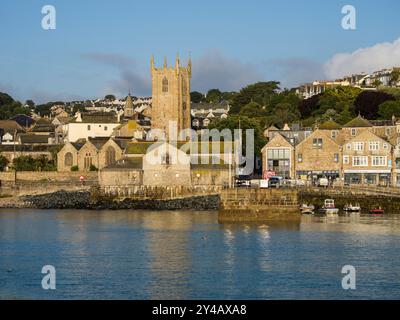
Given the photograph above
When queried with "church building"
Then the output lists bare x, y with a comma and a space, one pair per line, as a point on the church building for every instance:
170, 96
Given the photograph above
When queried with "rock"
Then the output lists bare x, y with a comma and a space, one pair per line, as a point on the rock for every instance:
84, 200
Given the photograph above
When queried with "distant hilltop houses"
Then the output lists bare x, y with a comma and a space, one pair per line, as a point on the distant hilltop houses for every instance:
385, 77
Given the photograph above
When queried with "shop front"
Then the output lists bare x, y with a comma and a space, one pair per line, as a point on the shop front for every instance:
314, 175
368, 177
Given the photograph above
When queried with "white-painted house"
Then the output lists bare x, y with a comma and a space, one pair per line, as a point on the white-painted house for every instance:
92, 125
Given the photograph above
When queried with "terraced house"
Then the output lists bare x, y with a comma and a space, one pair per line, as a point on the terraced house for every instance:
360, 152
318, 156
367, 159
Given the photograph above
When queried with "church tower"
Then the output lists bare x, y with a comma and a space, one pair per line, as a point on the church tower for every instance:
170, 95
128, 108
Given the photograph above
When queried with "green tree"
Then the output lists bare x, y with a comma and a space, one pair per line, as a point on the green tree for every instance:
376, 83
253, 110
3, 162
24, 163
260, 92
197, 97
30, 103
394, 77
284, 113
10, 108
232, 123
109, 97
214, 96
388, 109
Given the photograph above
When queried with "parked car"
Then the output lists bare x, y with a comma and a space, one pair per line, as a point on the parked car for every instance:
242, 181
274, 182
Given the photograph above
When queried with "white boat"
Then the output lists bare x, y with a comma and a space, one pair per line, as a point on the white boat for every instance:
307, 209
329, 208
349, 208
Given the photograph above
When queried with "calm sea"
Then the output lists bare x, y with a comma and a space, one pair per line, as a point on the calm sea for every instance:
188, 255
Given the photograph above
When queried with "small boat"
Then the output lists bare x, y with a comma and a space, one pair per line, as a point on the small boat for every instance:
329, 208
377, 210
307, 209
349, 208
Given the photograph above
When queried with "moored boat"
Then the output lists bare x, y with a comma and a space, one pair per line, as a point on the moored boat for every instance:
349, 208
307, 209
329, 208
377, 210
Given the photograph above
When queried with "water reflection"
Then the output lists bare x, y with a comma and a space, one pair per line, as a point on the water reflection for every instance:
188, 255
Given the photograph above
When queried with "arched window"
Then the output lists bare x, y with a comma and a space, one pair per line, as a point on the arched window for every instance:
110, 156
166, 159
68, 160
88, 161
165, 85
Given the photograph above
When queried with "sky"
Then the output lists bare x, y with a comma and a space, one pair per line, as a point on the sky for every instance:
104, 47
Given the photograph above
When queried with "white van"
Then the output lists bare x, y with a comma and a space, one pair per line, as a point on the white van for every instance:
323, 182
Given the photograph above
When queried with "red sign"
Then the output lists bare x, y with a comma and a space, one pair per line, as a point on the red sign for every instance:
268, 174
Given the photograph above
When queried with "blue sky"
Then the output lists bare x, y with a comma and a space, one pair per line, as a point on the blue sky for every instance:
102, 47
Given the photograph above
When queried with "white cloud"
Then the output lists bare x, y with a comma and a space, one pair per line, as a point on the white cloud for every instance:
379, 56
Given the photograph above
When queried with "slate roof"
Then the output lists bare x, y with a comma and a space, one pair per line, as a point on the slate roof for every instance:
99, 141
10, 125
43, 126
329, 125
102, 117
34, 138
127, 163
358, 122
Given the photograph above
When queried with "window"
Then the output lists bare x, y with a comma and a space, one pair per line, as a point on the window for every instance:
317, 143
299, 157
379, 161
388, 131
346, 159
105, 128
334, 134
166, 159
374, 146
353, 132
87, 161
348, 146
165, 85
358, 146
68, 159
278, 154
336, 157
88, 127
385, 146
110, 156
360, 161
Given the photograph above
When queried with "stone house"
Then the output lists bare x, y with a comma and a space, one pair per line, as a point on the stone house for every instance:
332, 129
98, 152
278, 157
353, 128
367, 159
129, 129
159, 163
9, 129
318, 156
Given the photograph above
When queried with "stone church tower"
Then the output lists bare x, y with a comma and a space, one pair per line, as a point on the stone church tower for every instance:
128, 108
170, 95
